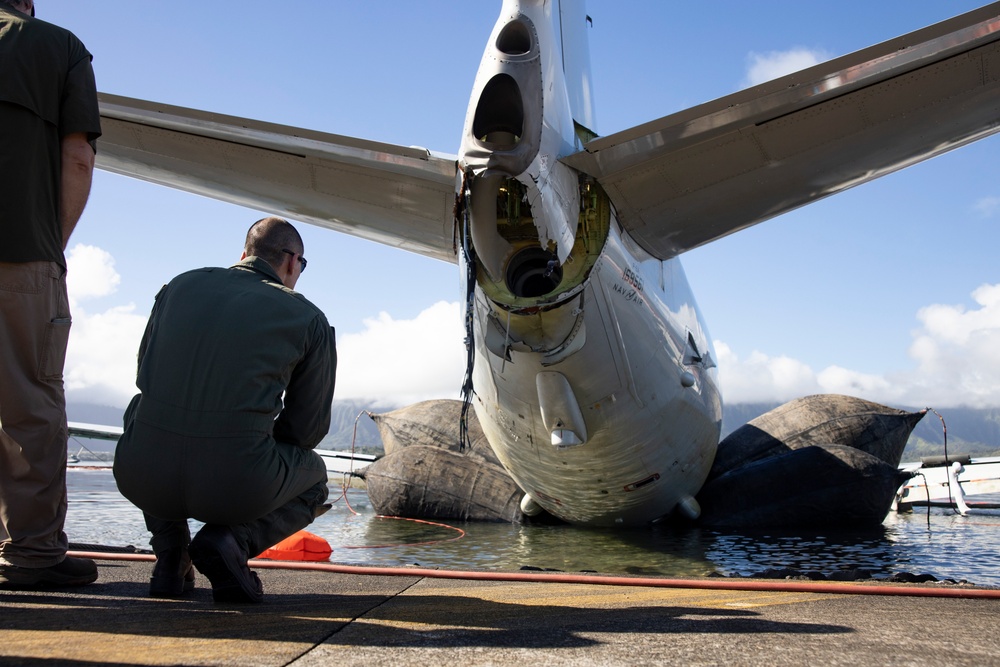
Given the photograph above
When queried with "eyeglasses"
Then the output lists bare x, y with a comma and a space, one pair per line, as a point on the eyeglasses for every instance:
302, 260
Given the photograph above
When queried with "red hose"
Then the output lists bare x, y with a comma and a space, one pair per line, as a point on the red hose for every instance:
604, 580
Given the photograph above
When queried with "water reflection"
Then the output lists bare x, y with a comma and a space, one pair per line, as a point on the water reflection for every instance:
939, 543
826, 552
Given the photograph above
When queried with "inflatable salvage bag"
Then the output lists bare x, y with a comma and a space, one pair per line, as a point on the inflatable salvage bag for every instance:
425, 474
434, 424
817, 461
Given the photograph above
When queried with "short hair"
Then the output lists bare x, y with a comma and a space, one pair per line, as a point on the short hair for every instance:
22, 6
268, 238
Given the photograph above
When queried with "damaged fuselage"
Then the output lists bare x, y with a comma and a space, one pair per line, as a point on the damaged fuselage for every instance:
593, 374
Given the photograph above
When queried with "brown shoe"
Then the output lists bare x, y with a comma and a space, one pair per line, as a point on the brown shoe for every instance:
70, 572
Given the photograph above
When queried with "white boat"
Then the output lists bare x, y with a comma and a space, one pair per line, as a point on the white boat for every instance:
338, 464
948, 481
87, 457
344, 464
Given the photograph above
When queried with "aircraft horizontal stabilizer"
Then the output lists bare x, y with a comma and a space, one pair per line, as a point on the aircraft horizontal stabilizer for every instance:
399, 196
695, 176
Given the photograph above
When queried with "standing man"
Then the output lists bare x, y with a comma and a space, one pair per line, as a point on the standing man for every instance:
49, 120
236, 374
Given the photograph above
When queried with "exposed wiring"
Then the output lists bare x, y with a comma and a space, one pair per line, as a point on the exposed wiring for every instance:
469, 255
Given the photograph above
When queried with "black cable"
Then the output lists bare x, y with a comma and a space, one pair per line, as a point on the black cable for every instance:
927, 491
947, 462
468, 251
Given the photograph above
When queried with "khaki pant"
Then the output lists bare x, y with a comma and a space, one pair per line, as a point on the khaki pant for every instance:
34, 332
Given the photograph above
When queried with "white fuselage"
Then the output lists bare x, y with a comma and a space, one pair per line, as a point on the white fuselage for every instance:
650, 438
593, 378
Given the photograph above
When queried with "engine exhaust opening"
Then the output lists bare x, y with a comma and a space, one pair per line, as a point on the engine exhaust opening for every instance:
514, 39
533, 272
500, 112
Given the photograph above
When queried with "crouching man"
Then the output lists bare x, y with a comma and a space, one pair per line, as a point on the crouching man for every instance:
236, 376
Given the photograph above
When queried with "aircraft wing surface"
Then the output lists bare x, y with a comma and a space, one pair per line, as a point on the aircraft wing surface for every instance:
96, 431
694, 176
403, 197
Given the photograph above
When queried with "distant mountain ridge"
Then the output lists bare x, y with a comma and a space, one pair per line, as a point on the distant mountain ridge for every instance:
970, 430
91, 413
341, 423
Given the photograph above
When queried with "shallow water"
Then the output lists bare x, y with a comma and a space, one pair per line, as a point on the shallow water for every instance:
938, 542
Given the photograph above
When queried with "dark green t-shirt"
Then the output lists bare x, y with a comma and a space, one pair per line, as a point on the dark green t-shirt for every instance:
47, 91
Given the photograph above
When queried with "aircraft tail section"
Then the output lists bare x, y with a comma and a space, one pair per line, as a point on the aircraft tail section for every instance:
574, 26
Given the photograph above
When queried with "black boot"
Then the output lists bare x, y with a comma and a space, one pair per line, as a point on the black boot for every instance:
173, 574
218, 556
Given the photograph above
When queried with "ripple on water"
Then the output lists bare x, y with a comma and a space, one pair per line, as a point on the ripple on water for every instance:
940, 543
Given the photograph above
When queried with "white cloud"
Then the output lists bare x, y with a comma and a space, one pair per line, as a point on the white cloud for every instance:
391, 362
100, 360
837, 380
763, 67
761, 378
404, 361
90, 272
956, 351
987, 207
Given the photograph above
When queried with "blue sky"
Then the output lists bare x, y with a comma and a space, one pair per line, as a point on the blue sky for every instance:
889, 291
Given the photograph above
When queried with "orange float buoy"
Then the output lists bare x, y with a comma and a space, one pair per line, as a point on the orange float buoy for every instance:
303, 545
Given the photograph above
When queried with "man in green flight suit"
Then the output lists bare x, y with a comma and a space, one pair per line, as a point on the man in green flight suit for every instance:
236, 377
